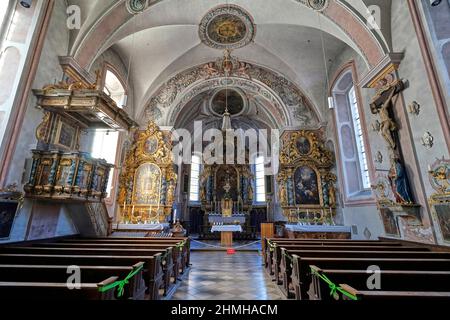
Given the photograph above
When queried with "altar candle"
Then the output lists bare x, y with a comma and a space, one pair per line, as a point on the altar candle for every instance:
429, 168
132, 210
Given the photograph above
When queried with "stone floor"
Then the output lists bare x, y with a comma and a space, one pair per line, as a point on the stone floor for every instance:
218, 276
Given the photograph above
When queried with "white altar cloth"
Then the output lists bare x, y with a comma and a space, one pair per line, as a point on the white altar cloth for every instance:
226, 228
317, 228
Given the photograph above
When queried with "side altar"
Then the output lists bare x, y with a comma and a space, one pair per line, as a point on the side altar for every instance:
306, 183
148, 179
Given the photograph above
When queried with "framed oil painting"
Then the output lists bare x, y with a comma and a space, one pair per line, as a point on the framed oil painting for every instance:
66, 135
147, 184
306, 186
389, 222
8, 210
303, 146
442, 212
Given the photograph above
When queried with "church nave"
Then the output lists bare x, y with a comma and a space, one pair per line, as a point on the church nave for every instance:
215, 275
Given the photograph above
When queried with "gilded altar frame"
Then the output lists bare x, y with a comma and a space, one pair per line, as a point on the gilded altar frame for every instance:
150, 147
304, 160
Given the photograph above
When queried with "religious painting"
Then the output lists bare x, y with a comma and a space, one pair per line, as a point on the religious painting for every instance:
65, 135
45, 172
147, 185
227, 99
8, 211
306, 186
151, 145
84, 176
389, 222
227, 29
443, 216
226, 179
303, 146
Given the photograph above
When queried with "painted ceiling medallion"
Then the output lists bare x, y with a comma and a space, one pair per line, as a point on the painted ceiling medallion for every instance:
227, 27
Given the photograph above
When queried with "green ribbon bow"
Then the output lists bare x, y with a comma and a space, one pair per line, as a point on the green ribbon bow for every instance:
121, 283
333, 287
181, 245
271, 245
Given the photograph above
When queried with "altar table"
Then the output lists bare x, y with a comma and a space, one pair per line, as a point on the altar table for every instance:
226, 233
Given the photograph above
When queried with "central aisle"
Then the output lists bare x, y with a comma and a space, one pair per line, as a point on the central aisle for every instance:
217, 276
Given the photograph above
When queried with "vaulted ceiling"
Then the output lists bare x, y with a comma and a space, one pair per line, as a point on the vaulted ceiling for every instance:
164, 39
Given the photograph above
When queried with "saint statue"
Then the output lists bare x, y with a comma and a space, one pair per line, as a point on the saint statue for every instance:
250, 192
332, 195
282, 194
381, 104
170, 193
399, 182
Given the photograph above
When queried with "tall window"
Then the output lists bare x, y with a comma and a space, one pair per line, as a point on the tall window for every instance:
194, 182
114, 88
353, 151
105, 142
357, 131
260, 180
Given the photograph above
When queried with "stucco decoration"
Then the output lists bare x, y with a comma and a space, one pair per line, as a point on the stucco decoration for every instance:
317, 5
136, 6
227, 27
250, 78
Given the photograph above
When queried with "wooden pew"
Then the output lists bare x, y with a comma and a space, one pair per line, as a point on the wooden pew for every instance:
153, 273
57, 291
286, 271
139, 240
418, 296
177, 255
166, 263
390, 280
301, 275
88, 274
268, 256
273, 266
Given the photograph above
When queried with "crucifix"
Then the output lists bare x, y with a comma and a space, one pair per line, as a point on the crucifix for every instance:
382, 104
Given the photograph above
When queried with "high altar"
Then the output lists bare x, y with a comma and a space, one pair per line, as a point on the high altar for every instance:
226, 194
148, 180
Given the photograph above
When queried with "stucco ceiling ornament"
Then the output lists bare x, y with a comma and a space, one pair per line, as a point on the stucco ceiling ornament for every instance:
317, 5
234, 71
227, 27
136, 6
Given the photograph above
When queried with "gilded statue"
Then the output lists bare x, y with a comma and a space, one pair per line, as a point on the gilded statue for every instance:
332, 195
170, 193
283, 194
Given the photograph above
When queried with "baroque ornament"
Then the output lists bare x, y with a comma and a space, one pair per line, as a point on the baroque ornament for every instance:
317, 5
136, 6
227, 27
238, 73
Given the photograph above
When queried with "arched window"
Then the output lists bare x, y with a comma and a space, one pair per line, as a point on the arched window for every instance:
194, 186
105, 142
260, 179
113, 87
352, 146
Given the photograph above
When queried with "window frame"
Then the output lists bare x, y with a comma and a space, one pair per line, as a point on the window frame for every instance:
190, 191
114, 173
262, 178
364, 196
